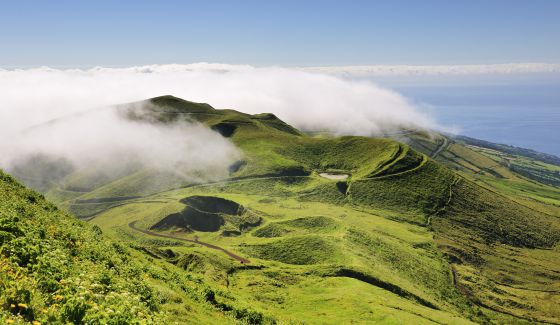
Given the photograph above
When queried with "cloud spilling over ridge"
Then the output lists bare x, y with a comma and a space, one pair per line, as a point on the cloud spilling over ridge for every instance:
306, 100
104, 139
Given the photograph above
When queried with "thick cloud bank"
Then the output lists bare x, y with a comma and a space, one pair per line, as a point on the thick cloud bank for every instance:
104, 139
306, 100
310, 101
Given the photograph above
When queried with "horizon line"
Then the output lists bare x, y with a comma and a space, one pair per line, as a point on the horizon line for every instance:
372, 69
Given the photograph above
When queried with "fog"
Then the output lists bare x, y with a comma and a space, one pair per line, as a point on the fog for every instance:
86, 132
103, 138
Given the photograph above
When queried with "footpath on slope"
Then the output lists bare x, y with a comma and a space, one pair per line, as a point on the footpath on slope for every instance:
440, 148
243, 260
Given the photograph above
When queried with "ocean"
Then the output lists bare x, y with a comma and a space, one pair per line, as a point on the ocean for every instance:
522, 111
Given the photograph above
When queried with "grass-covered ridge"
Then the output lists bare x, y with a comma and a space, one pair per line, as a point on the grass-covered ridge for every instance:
305, 225
270, 146
336, 229
57, 269
310, 249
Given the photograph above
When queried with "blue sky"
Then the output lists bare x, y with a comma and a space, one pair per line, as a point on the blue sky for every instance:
288, 33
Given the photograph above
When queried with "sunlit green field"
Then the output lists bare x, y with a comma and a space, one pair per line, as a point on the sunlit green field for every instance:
300, 268
323, 229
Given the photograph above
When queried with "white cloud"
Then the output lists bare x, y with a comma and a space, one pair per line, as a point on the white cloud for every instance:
307, 100
420, 70
104, 139
311, 101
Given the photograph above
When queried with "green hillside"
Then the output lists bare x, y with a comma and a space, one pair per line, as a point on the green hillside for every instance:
271, 148
56, 269
324, 229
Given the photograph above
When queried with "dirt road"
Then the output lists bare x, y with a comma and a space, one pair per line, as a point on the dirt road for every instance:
440, 148
243, 260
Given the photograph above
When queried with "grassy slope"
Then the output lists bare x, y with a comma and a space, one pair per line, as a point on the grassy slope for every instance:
56, 269
503, 172
505, 254
412, 238
487, 230
271, 147
302, 267
390, 182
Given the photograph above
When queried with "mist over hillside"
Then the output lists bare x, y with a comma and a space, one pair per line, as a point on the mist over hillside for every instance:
260, 216
106, 140
279, 162
305, 100
66, 114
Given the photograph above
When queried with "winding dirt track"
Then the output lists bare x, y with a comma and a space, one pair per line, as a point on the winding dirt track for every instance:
440, 148
243, 260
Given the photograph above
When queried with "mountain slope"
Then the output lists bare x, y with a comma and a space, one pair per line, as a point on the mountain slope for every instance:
338, 229
56, 269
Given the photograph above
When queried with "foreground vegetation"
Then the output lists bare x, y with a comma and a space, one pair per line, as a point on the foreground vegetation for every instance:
56, 269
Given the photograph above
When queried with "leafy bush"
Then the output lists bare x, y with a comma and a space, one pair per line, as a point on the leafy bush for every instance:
55, 269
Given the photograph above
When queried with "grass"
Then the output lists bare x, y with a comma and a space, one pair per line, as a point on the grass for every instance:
415, 195
334, 300
298, 250
208, 213
405, 239
305, 225
497, 243
402, 219
528, 167
271, 148
326, 240
56, 269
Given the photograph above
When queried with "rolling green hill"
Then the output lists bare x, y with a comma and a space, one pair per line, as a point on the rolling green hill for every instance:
324, 229
57, 269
